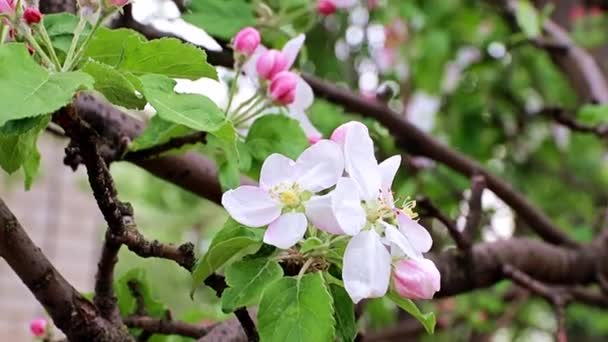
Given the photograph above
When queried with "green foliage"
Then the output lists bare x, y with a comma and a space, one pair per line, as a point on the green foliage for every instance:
194, 111
427, 319
119, 87
229, 244
18, 146
60, 27
29, 89
127, 50
247, 280
157, 132
593, 114
222, 19
527, 18
276, 134
297, 310
136, 280
344, 314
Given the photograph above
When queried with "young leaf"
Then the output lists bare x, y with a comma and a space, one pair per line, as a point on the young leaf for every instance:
427, 319
276, 133
310, 244
527, 18
292, 310
593, 114
231, 242
114, 85
157, 132
18, 146
247, 280
30, 90
220, 18
127, 50
191, 110
127, 302
344, 314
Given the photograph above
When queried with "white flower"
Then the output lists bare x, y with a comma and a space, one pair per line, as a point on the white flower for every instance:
371, 216
285, 187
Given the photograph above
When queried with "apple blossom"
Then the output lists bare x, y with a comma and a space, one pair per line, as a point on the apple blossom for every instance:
246, 41
270, 63
38, 327
7, 6
416, 278
283, 87
326, 7
285, 187
371, 212
32, 15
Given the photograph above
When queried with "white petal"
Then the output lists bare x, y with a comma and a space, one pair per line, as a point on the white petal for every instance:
188, 32
344, 3
367, 267
304, 97
360, 161
249, 67
276, 169
399, 244
415, 233
292, 48
286, 231
320, 166
340, 211
251, 206
311, 131
388, 170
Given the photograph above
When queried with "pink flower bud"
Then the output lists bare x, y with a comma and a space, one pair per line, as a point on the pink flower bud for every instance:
314, 138
38, 327
32, 15
283, 87
416, 278
326, 7
246, 41
271, 63
118, 3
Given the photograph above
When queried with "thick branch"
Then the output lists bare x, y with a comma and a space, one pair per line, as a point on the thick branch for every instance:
77, 317
165, 326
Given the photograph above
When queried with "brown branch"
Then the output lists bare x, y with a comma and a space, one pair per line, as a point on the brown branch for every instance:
173, 143
183, 255
567, 119
76, 316
165, 326
427, 208
478, 183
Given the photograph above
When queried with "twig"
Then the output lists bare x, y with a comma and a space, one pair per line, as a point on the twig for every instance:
478, 184
182, 255
173, 143
166, 326
427, 208
76, 316
565, 118
557, 297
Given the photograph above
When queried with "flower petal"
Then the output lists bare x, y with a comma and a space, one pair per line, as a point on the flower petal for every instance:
249, 67
251, 206
360, 161
320, 166
340, 211
304, 96
388, 170
418, 236
276, 169
286, 231
399, 244
416, 279
292, 48
367, 267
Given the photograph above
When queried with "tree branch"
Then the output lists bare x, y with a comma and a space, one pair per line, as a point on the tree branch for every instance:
564, 118
165, 326
77, 317
173, 143
183, 255
478, 183
427, 208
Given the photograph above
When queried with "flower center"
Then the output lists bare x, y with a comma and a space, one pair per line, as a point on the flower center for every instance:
377, 210
289, 198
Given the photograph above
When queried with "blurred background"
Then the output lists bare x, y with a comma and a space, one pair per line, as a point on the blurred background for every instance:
464, 71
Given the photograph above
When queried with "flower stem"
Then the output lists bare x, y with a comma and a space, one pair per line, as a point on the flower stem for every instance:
238, 116
247, 117
70, 55
34, 44
3, 33
84, 44
235, 81
49, 45
305, 268
235, 113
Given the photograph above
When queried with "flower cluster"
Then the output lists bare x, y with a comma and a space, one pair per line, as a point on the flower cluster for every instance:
269, 71
337, 186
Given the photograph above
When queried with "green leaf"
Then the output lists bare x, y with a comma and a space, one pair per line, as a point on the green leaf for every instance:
30, 90
114, 85
221, 18
298, 311
191, 110
127, 50
230, 243
247, 280
527, 18
127, 302
60, 28
18, 147
310, 244
593, 114
344, 314
157, 132
276, 134
427, 319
